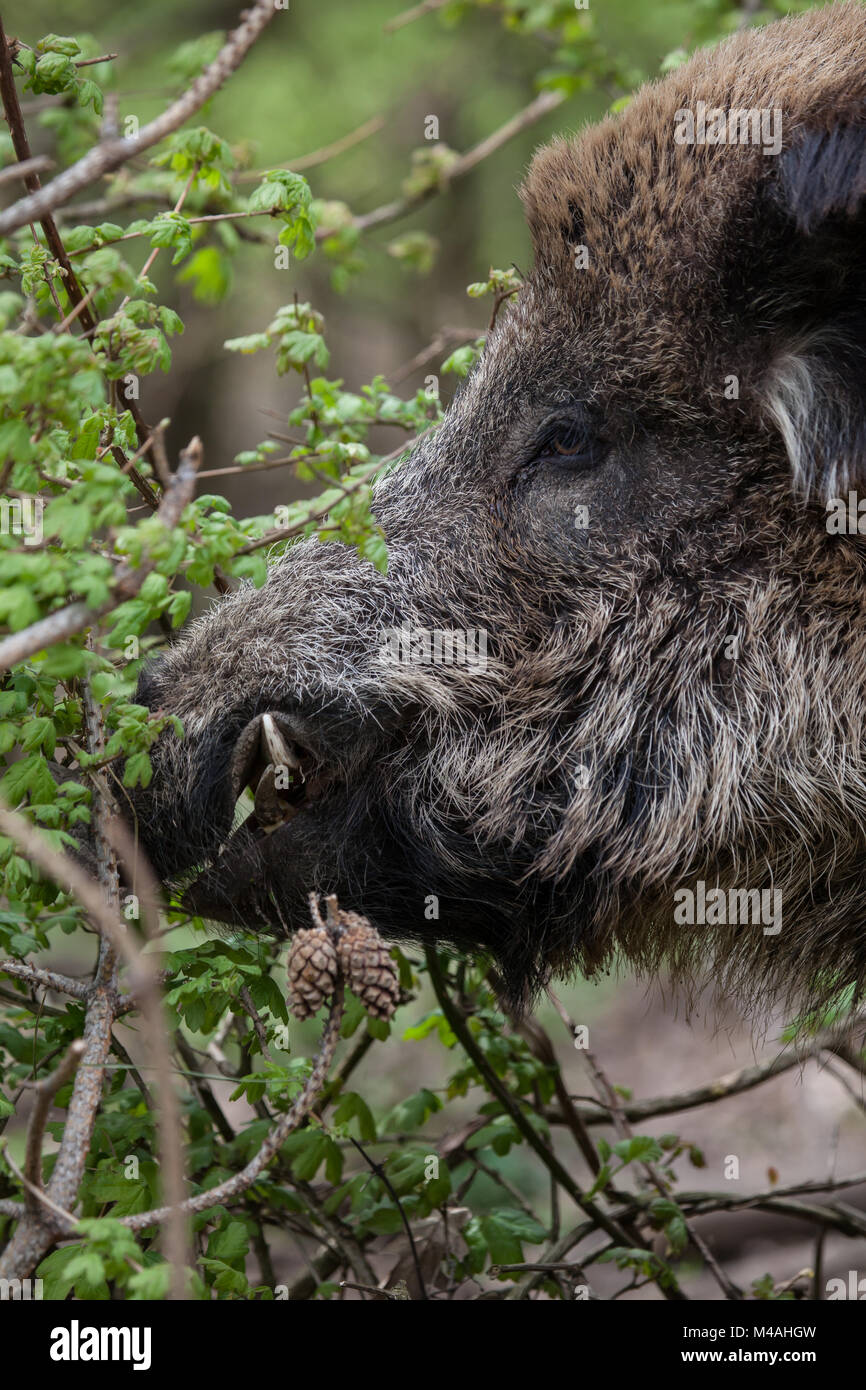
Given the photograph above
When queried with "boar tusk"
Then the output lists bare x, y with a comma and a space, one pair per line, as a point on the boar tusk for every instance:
275, 745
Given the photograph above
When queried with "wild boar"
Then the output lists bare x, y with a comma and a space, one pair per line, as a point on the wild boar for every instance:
621, 530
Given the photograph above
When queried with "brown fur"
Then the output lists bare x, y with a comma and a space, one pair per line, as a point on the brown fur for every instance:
609, 646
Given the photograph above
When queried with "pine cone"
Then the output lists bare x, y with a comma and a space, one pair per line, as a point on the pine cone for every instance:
367, 967
312, 971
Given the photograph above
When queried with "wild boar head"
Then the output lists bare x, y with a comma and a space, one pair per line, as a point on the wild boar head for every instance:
652, 649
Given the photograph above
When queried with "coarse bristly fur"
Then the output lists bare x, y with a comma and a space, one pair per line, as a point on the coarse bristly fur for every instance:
628, 496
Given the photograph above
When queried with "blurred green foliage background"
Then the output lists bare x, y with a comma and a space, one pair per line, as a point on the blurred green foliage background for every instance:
323, 69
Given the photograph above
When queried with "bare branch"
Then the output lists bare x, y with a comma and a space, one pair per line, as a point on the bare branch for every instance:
78, 311
102, 207
856, 1094
203, 1088
39, 1197
36, 1234
433, 350
417, 12
35, 975
540, 106
239, 1182
245, 1000
111, 154
45, 1092
91, 62
320, 156
779, 1202
731, 1084
37, 164
169, 1121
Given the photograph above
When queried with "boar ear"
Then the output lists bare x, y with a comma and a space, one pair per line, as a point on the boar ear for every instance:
815, 388
823, 173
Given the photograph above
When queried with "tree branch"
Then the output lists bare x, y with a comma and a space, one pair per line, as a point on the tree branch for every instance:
239, 1182
111, 154
731, 1084
504, 1096
540, 106
321, 156
37, 1232
50, 979
45, 1092
25, 167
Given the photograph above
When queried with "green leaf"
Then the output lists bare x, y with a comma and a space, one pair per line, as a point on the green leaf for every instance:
640, 1148
15, 441
76, 1269
230, 1242
253, 342
137, 771
38, 733
354, 1107
413, 1112
59, 43
29, 776
504, 1232
69, 518
308, 1150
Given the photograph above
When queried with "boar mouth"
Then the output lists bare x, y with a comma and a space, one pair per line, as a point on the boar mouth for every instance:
284, 777
280, 772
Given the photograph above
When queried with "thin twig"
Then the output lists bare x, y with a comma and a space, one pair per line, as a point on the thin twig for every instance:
90, 62
45, 1092
60, 984
36, 164
321, 156
77, 311
856, 1095
317, 513
381, 1174
203, 1089
455, 1018
539, 107
245, 1000
169, 1120
146, 268
38, 1196
111, 154
240, 1181
417, 12
720, 1088
34, 1236
433, 350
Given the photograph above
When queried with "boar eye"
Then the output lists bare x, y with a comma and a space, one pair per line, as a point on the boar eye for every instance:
571, 446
